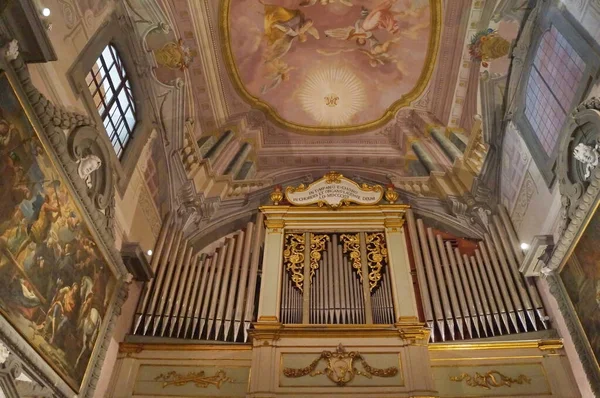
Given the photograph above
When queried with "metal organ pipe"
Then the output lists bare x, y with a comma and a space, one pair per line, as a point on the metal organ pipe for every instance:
201, 295
421, 278
158, 253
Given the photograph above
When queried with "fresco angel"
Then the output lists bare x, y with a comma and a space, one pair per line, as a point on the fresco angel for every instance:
381, 17
279, 72
282, 27
308, 3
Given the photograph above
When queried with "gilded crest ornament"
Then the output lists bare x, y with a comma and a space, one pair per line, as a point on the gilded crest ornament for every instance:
175, 55
390, 194
341, 367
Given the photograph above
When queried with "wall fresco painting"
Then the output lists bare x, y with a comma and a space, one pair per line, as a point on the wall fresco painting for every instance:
329, 63
56, 285
581, 278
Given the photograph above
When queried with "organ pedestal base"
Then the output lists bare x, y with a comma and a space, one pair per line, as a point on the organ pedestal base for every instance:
337, 360
482, 368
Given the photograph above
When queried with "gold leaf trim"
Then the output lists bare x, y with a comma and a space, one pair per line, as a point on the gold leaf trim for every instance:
293, 256
491, 379
352, 246
317, 246
198, 378
377, 254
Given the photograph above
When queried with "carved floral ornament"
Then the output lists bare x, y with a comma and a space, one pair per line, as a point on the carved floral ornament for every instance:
340, 367
200, 379
491, 379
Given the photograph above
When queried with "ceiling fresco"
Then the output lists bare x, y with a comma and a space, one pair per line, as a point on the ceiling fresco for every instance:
330, 65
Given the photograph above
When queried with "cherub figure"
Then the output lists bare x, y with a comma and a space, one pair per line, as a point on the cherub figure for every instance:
308, 3
279, 72
282, 27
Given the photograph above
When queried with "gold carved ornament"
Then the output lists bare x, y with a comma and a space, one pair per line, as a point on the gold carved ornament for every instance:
377, 254
352, 246
341, 367
490, 380
293, 256
198, 378
317, 245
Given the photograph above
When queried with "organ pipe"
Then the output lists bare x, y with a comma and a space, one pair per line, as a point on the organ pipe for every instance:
199, 295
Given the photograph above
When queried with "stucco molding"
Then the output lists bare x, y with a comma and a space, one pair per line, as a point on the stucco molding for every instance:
519, 56
580, 198
54, 125
580, 341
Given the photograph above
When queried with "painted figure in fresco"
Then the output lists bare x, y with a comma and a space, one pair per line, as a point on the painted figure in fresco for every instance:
308, 3
62, 311
279, 72
46, 212
282, 27
382, 17
14, 188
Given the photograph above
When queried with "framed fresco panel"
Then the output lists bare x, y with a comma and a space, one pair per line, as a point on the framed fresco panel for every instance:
59, 283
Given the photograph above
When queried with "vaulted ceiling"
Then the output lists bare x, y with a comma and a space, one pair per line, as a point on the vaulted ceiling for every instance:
328, 83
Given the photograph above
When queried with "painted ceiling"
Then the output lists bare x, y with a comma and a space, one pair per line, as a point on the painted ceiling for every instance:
317, 65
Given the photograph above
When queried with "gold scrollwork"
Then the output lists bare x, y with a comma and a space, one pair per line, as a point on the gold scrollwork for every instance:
198, 378
377, 254
317, 245
340, 367
293, 256
491, 379
352, 246
333, 177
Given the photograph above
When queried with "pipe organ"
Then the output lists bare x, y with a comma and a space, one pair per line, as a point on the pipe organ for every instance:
207, 295
477, 294
351, 292
325, 279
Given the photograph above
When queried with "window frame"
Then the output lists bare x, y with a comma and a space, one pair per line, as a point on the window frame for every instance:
115, 33
102, 77
580, 41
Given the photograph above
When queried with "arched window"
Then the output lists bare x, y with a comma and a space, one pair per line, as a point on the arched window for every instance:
555, 77
111, 91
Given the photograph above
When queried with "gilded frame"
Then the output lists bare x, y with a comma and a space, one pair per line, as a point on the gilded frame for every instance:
51, 133
405, 100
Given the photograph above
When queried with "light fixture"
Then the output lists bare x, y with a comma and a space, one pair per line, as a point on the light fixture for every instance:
46, 11
149, 252
524, 246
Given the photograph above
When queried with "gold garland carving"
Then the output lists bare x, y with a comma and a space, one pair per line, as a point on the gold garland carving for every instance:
317, 245
490, 380
352, 246
293, 256
377, 254
341, 367
198, 378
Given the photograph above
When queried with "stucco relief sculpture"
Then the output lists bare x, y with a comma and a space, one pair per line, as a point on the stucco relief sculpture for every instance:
587, 155
87, 166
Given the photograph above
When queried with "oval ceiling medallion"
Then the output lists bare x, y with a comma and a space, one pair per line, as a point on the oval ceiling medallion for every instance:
330, 65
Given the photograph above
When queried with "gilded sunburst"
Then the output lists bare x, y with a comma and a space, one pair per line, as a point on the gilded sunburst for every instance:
332, 97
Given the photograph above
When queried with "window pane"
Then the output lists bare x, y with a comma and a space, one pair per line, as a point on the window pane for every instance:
553, 82
111, 93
